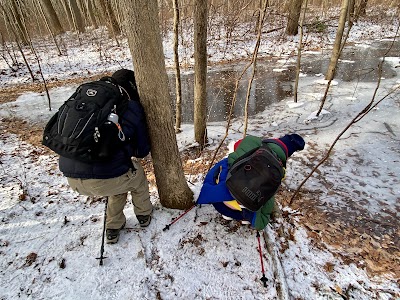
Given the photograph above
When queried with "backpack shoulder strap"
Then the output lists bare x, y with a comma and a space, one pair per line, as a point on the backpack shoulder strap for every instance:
109, 79
112, 80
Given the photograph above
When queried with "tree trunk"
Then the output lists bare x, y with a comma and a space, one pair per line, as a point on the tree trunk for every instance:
361, 10
363, 7
77, 19
351, 11
293, 18
90, 9
16, 17
200, 72
51, 16
143, 32
299, 51
111, 20
68, 14
330, 74
178, 85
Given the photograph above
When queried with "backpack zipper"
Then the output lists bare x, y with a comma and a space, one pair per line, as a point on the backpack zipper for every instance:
59, 121
83, 126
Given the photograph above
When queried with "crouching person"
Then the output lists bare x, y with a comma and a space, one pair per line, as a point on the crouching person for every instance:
235, 175
120, 174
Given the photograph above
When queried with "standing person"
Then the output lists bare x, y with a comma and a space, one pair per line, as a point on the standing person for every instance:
121, 174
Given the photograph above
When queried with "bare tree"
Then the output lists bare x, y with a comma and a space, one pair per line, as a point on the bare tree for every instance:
90, 10
178, 85
351, 11
330, 74
200, 71
299, 49
365, 111
111, 20
143, 32
76, 14
294, 16
361, 9
254, 63
68, 14
17, 42
51, 16
15, 20
48, 25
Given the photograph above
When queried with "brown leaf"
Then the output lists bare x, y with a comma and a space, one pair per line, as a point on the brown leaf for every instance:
30, 259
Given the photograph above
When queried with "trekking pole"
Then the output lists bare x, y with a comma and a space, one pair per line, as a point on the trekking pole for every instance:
263, 278
102, 239
176, 219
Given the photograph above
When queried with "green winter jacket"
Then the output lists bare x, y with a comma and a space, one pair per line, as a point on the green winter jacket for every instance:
247, 144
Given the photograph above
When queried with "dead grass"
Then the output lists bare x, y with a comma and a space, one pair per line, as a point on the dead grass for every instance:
355, 239
11, 93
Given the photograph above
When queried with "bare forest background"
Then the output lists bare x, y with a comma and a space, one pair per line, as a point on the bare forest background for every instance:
26, 25
27, 21
203, 34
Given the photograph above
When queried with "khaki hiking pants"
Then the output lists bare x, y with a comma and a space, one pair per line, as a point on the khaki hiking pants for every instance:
117, 190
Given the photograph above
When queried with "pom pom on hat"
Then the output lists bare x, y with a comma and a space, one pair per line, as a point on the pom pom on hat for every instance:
293, 142
126, 79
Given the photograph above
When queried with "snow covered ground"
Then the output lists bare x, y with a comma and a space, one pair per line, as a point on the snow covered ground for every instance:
50, 236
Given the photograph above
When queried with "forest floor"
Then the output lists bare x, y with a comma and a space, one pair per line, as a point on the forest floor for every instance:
358, 178
371, 243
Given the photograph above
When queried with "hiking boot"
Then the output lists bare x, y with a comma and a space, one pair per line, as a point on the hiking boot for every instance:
144, 221
113, 234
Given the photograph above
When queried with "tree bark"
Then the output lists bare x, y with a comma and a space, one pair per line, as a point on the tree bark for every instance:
90, 9
351, 11
360, 10
294, 16
330, 74
51, 16
111, 20
16, 17
178, 85
299, 49
77, 19
143, 32
200, 71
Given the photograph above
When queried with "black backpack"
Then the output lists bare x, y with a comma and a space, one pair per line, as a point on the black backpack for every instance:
83, 129
255, 177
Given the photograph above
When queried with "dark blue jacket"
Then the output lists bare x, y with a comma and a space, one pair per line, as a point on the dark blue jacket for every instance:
134, 127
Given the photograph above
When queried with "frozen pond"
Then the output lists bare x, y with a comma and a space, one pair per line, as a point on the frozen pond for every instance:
274, 79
